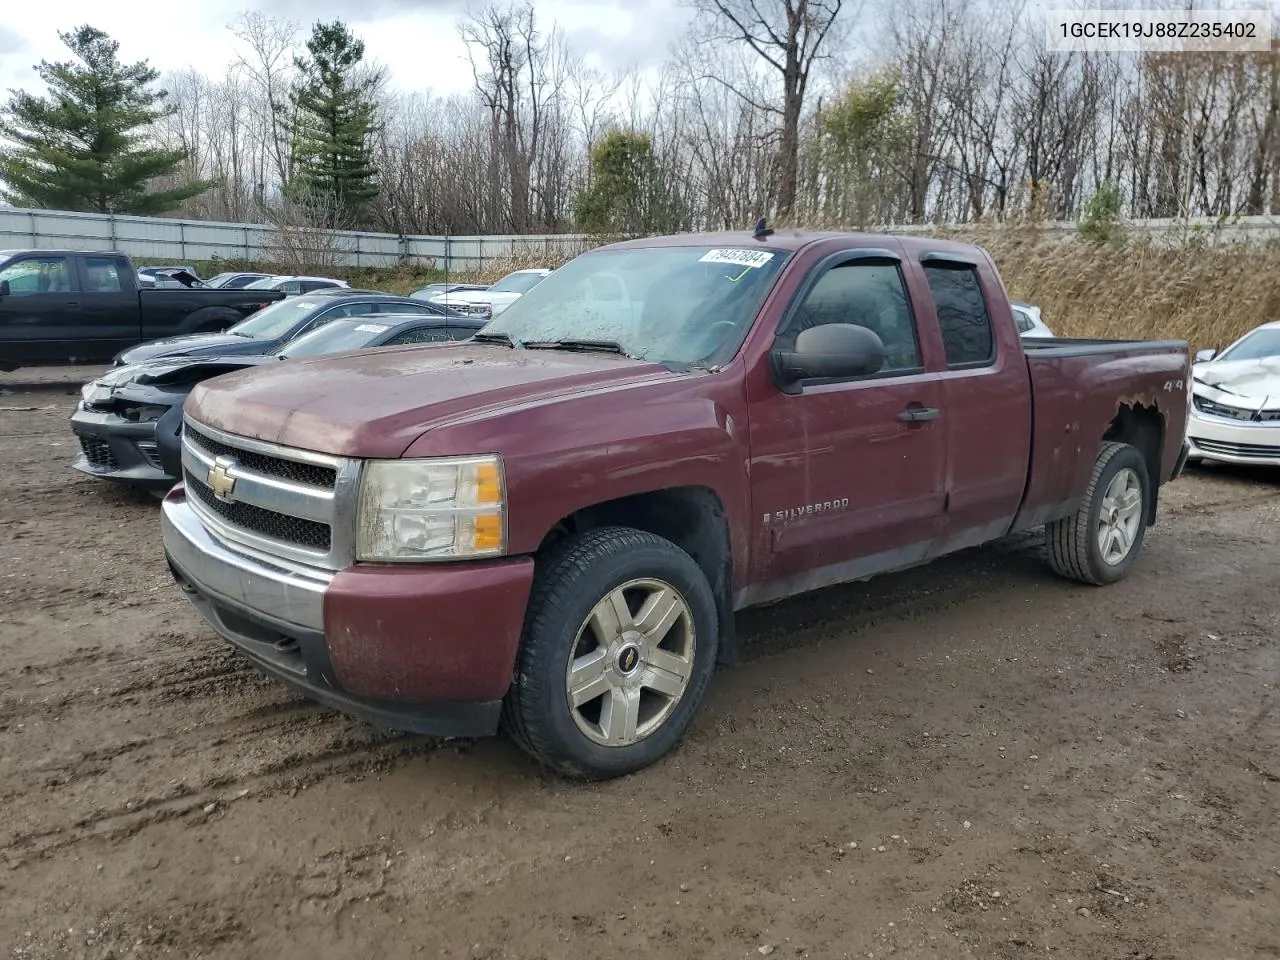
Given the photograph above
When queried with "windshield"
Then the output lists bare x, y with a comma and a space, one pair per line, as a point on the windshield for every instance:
676, 305
1255, 346
517, 283
335, 337
266, 283
273, 322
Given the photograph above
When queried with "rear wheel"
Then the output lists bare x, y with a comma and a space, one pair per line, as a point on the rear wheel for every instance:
620, 642
1099, 542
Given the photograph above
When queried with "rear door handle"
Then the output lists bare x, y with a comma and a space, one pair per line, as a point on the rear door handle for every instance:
919, 414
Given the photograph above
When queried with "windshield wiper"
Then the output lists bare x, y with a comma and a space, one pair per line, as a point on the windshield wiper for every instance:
498, 338
570, 343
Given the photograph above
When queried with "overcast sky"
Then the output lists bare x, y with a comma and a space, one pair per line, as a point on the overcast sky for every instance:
416, 40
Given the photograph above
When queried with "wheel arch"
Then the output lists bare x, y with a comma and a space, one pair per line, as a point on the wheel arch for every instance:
1142, 427
691, 517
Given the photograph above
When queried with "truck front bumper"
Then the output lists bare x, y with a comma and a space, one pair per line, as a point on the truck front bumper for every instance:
427, 649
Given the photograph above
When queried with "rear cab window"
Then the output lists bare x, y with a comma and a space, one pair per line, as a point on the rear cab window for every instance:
967, 335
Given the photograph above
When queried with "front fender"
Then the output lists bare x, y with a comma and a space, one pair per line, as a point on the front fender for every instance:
566, 454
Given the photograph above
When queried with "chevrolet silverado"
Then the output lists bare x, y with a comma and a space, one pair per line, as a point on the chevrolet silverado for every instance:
549, 528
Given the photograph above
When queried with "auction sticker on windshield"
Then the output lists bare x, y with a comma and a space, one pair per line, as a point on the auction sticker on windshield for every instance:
371, 328
739, 258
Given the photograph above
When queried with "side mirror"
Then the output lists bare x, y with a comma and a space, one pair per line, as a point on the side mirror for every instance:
4, 288
1203, 355
831, 350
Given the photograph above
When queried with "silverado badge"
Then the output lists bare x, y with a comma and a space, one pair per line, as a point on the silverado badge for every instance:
220, 480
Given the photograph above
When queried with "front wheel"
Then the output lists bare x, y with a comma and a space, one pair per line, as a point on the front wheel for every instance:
1099, 542
620, 642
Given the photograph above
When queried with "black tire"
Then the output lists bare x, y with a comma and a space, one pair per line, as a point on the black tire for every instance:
1074, 550
573, 577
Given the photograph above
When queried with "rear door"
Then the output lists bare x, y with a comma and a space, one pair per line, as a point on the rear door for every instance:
986, 399
40, 314
847, 475
110, 313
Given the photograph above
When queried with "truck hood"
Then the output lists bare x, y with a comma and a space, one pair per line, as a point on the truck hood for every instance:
1252, 380
196, 345
377, 404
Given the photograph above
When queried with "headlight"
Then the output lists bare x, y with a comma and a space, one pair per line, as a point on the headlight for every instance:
439, 509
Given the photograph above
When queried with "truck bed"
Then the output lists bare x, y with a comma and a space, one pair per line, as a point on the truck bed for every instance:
1078, 388
1040, 347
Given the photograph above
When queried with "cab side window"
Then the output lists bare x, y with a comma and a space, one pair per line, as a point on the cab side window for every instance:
870, 295
37, 275
103, 275
962, 315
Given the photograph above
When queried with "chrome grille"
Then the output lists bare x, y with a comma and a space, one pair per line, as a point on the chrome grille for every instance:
1251, 451
289, 504
267, 523
272, 466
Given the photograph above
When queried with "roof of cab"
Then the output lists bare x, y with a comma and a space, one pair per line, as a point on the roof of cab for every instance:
792, 240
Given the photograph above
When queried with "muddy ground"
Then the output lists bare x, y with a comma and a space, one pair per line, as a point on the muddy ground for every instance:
969, 759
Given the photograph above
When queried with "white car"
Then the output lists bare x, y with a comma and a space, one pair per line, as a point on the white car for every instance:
493, 300
1029, 321
1235, 401
295, 286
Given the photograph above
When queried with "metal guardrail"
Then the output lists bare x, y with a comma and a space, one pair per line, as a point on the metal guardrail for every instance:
163, 238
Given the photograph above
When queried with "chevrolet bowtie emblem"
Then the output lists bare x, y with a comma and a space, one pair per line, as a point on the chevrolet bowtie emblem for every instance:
220, 480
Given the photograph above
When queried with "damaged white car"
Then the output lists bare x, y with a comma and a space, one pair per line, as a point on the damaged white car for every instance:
1235, 410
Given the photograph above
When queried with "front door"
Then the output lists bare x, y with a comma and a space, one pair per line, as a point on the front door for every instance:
847, 476
39, 310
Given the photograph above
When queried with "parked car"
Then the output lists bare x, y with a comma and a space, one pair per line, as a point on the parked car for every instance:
129, 420
1029, 321
69, 306
435, 289
491, 301
1235, 406
235, 281
279, 323
662, 432
295, 286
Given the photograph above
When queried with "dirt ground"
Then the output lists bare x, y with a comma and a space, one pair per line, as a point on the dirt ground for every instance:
969, 759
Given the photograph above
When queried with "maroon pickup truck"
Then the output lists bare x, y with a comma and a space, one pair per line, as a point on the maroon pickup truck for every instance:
549, 527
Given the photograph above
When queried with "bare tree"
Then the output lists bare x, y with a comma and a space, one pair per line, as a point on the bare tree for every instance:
789, 36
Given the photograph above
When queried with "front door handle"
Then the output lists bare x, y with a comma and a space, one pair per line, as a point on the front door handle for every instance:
919, 414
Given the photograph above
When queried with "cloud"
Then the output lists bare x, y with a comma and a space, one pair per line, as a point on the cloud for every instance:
309, 11
11, 41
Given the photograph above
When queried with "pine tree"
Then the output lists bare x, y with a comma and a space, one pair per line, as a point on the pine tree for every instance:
336, 118
84, 146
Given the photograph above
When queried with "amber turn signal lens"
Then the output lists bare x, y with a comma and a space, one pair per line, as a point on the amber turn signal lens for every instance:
488, 486
488, 532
